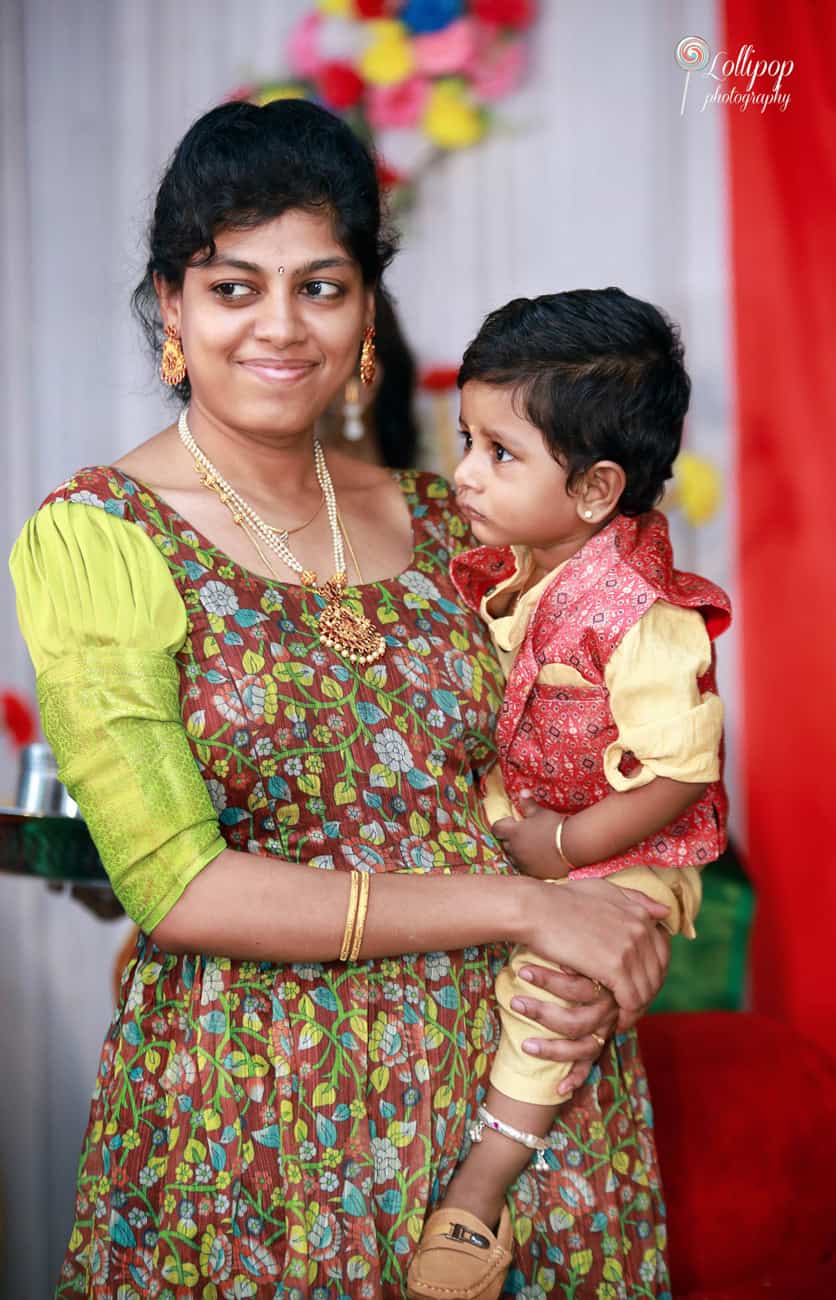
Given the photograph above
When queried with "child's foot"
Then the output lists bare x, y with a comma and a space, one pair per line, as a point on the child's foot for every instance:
459, 1258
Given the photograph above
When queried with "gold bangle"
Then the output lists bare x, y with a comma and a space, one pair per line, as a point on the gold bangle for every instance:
362, 910
350, 915
558, 842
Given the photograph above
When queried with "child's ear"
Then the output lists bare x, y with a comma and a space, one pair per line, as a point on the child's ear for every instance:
600, 491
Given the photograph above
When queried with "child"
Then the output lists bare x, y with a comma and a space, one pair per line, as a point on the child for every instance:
610, 734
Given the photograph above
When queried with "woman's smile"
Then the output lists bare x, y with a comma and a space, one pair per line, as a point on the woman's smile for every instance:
272, 370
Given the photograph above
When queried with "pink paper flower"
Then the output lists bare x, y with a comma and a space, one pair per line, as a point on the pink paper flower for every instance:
240, 93
499, 71
401, 105
442, 53
485, 38
303, 46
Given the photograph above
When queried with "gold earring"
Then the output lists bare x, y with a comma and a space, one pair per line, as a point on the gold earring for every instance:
367, 357
173, 362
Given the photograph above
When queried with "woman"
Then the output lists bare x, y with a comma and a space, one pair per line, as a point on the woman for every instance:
268, 1118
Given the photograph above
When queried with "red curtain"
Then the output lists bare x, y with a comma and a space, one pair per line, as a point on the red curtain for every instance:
783, 241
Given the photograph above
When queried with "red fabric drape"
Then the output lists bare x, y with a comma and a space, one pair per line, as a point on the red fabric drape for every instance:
783, 212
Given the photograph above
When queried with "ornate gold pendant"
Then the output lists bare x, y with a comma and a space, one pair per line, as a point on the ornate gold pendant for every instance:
347, 633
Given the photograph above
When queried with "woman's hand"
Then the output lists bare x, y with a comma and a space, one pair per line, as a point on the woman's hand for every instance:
605, 932
586, 1025
662, 941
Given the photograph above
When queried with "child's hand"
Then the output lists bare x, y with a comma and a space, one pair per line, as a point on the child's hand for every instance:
530, 843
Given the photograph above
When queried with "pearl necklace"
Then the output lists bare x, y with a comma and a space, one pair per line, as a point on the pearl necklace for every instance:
341, 628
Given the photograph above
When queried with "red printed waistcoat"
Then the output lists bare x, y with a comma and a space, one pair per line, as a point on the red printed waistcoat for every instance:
552, 739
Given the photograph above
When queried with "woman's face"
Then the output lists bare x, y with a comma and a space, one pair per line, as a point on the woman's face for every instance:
271, 326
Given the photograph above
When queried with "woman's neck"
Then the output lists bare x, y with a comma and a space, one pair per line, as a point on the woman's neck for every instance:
281, 466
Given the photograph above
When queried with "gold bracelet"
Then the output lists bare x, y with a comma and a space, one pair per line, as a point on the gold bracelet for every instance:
362, 910
558, 842
350, 915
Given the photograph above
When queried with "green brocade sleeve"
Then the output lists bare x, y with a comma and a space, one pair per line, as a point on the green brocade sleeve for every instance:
103, 620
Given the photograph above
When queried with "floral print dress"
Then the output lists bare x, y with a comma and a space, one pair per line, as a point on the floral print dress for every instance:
261, 1131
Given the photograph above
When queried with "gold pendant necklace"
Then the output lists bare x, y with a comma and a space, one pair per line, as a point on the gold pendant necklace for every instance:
284, 533
344, 630
341, 628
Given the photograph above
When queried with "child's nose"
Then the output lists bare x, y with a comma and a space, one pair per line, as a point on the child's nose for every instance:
463, 476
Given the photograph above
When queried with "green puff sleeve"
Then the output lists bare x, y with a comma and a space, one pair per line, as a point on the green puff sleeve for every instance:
103, 620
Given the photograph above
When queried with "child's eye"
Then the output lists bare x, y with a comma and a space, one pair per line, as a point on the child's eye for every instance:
231, 289
503, 455
324, 289
466, 439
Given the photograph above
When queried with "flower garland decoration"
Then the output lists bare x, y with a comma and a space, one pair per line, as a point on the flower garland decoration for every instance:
414, 78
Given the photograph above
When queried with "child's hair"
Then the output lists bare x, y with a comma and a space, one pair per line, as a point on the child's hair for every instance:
601, 375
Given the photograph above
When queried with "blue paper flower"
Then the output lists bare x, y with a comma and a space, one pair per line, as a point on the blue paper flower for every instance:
422, 16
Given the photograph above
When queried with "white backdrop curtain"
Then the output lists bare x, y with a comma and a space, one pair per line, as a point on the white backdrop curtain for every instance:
591, 178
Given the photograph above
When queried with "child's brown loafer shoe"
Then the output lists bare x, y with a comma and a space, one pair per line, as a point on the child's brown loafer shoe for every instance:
458, 1258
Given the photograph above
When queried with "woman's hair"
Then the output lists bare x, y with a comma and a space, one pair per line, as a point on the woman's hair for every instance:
600, 374
240, 165
392, 407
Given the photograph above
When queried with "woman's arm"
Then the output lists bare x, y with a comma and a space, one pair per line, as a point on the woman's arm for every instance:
261, 909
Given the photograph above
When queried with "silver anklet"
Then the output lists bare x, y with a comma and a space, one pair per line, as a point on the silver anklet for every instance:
486, 1120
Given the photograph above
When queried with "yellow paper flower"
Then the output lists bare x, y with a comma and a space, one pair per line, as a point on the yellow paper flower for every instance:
389, 58
451, 120
697, 488
269, 93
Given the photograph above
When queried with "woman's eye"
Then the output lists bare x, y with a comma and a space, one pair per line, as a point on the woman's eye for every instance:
230, 289
323, 289
502, 454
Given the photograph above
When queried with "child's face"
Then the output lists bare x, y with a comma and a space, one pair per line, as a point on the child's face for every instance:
510, 488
